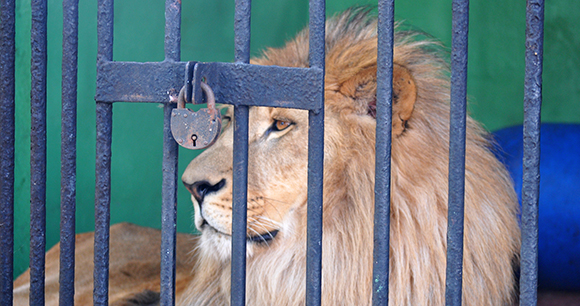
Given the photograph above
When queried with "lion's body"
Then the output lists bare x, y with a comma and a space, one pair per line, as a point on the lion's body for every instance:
276, 267
134, 266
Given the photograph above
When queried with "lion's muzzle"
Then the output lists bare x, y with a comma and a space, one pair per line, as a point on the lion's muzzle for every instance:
202, 188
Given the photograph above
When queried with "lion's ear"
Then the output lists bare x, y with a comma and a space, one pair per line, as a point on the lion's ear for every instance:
404, 97
362, 87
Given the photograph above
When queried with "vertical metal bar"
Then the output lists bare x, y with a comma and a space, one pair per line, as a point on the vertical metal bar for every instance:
454, 274
105, 30
240, 181
102, 203
68, 156
173, 30
531, 159
386, 23
242, 30
170, 151
104, 118
37, 151
240, 162
316, 58
7, 54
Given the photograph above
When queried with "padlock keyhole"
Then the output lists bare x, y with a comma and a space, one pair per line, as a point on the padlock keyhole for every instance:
194, 138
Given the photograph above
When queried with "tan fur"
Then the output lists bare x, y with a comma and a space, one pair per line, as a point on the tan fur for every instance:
277, 187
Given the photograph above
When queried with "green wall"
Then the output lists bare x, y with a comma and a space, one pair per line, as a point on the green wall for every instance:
495, 87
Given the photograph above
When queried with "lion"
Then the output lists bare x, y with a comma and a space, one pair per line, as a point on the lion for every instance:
277, 189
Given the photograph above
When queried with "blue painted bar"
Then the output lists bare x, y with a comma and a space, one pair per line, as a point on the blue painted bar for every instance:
169, 211
531, 159
240, 194
316, 58
104, 112
385, 33
255, 85
68, 151
102, 203
240, 162
37, 151
234, 83
454, 275
172, 30
7, 55
170, 171
242, 22
138, 82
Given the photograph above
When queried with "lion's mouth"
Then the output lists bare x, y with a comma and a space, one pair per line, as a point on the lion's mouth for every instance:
263, 238
259, 238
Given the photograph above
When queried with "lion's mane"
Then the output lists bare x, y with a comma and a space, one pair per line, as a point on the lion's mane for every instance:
418, 229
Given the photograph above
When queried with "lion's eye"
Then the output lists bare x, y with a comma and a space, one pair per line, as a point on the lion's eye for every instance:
280, 125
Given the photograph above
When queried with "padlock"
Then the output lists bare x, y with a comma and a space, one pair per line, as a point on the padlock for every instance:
196, 130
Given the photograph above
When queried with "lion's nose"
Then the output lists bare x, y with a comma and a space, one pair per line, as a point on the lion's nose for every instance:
201, 188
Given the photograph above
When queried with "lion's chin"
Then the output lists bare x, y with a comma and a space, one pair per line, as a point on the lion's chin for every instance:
216, 243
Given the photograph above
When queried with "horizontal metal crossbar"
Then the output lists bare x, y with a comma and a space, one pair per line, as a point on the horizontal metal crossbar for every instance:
254, 85
138, 82
232, 83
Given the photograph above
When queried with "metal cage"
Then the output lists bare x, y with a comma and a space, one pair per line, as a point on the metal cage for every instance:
170, 74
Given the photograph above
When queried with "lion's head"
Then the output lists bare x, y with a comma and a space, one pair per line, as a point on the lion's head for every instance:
277, 188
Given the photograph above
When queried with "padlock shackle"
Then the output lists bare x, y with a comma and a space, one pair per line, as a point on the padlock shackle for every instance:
210, 100
209, 94
181, 98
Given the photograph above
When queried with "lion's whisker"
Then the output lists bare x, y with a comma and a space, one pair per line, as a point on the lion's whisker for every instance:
268, 201
269, 221
262, 221
261, 235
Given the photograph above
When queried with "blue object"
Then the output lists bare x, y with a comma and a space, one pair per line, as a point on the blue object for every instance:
559, 216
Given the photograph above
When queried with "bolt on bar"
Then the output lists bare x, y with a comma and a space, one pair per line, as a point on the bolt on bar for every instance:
385, 36
68, 151
316, 57
453, 280
240, 162
37, 151
104, 116
7, 55
170, 171
531, 159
